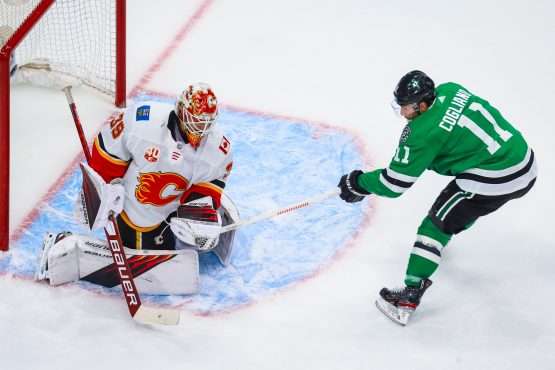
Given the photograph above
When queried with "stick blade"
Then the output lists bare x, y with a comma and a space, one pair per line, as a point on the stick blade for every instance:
150, 315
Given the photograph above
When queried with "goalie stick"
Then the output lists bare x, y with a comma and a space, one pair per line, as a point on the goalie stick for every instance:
139, 312
277, 212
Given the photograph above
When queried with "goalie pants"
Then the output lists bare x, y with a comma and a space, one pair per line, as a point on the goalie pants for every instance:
454, 210
158, 238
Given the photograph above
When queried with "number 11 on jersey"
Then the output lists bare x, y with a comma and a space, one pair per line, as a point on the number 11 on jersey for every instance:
404, 152
479, 132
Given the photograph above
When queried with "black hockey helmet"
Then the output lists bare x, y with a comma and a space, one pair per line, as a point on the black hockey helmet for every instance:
415, 87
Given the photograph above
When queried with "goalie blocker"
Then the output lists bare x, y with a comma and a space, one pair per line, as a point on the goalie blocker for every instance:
97, 199
69, 257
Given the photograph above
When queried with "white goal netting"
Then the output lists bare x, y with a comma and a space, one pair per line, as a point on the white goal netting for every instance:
75, 39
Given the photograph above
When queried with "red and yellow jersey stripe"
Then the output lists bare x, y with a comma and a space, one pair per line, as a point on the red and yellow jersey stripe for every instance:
106, 165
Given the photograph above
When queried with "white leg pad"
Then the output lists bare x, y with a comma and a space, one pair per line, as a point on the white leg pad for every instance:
63, 261
162, 272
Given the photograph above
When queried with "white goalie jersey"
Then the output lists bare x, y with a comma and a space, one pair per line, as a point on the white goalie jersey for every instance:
160, 170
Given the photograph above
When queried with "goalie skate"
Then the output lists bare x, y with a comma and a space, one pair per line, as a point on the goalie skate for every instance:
48, 242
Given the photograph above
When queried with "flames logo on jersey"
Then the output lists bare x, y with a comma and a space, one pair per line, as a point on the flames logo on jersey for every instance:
160, 188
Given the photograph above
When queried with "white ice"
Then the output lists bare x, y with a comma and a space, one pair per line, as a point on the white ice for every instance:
336, 62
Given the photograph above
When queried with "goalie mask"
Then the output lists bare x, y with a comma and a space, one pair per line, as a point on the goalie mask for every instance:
197, 109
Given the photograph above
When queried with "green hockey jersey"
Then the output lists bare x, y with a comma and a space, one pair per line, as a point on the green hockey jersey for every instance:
460, 135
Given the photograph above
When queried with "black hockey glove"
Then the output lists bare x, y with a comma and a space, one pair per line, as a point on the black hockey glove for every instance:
350, 191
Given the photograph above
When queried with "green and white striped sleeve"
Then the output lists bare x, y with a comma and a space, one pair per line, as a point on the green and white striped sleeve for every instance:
409, 162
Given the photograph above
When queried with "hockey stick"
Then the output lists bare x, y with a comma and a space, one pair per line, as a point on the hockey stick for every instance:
277, 212
139, 312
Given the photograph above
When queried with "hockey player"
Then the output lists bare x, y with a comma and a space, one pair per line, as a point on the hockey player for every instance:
166, 157
452, 132
162, 169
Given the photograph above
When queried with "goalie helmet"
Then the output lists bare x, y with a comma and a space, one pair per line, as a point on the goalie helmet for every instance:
414, 87
197, 109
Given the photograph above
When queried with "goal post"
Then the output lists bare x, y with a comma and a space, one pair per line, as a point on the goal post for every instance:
54, 41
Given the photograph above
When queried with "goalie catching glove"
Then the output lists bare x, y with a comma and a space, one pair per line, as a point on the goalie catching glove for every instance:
97, 199
197, 224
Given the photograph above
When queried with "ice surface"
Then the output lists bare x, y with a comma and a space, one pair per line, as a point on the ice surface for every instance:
336, 63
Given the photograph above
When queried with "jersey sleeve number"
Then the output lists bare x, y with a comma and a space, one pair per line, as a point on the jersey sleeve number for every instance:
403, 152
479, 132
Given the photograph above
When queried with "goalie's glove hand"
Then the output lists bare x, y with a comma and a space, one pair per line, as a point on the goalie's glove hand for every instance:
351, 192
197, 223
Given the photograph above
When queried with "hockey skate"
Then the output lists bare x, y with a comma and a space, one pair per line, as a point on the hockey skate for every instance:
399, 304
47, 243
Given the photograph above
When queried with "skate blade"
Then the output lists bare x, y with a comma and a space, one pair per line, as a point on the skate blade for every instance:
396, 315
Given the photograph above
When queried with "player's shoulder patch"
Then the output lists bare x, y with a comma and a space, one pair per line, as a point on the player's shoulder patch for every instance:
405, 134
117, 125
143, 113
219, 149
219, 141
225, 145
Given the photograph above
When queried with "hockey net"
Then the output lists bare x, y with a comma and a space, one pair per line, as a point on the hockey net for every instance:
72, 38
56, 43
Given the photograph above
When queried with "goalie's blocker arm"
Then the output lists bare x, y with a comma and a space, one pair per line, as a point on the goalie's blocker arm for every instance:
97, 199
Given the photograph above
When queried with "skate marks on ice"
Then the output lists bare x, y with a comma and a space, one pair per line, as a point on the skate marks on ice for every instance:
277, 162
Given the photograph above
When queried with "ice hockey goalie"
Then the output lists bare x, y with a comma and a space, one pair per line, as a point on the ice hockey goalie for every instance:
162, 169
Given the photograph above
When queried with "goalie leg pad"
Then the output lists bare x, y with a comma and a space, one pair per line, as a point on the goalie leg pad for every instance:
159, 272
58, 261
48, 242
